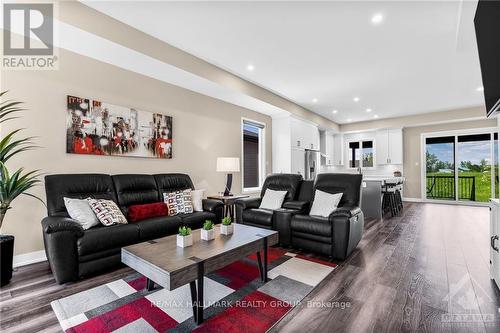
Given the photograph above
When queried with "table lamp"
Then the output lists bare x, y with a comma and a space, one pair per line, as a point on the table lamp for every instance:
228, 165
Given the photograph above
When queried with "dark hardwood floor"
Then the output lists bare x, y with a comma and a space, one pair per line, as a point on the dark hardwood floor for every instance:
407, 275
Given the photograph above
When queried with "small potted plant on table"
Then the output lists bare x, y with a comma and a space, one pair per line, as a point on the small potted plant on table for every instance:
184, 238
208, 231
227, 226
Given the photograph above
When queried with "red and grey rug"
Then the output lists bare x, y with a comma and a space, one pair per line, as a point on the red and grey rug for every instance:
235, 299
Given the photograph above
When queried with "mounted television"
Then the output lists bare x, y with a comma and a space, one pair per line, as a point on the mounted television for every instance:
487, 24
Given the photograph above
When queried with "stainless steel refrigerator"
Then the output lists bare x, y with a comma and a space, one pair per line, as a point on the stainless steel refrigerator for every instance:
312, 163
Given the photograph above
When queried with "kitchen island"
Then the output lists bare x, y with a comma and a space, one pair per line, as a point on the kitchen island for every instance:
371, 201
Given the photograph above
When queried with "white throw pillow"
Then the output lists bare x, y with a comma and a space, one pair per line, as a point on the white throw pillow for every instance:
178, 202
197, 200
324, 203
80, 211
272, 199
107, 211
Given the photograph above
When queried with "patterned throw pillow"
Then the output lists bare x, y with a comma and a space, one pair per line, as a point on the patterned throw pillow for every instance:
107, 211
178, 202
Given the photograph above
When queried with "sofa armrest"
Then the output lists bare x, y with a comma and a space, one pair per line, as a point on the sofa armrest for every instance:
211, 205
347, 211
52, 224
347, 230
247, 203
60, 237
297, 205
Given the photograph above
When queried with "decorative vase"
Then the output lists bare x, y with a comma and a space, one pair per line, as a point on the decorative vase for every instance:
226, 229
207, 234
184, 241
6, 256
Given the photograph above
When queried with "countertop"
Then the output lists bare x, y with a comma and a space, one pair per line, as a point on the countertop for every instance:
375, 178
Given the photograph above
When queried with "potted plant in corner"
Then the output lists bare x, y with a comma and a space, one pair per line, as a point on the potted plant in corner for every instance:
184, 238
12, 184
208, 231
227, 226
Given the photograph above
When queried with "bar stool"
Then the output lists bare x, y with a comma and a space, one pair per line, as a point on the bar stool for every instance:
392, 200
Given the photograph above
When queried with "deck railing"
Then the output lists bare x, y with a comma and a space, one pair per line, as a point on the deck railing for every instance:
443, 187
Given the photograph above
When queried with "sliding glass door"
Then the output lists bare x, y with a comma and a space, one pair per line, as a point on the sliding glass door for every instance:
440, 167
474, 167
462, 167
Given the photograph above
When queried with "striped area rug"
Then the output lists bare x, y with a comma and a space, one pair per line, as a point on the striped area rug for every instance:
235, 299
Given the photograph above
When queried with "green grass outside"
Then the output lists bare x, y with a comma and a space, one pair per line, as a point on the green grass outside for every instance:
483, 185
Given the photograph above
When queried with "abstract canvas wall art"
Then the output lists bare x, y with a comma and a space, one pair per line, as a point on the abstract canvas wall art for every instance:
98, 128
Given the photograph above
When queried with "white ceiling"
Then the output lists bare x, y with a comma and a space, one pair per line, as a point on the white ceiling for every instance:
421, 58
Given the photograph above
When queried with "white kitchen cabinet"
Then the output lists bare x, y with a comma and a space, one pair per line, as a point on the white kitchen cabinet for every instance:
304, 135
290, 136
338, 149
326, 148
298, 161
494, 241
382, 147
396, 146
389, 146
298, 135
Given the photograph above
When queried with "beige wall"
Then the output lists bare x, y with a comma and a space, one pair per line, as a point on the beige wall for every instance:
203, 128
413, 150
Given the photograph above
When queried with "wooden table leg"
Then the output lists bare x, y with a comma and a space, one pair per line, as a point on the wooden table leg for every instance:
201, 273
150, 285
194, 300
265, 261
197, 294
261, 269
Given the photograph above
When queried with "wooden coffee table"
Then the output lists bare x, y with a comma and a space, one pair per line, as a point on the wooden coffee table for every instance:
171, 267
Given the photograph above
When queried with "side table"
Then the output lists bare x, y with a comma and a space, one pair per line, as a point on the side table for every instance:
228, 201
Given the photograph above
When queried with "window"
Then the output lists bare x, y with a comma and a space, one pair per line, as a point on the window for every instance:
361, 154
253, 155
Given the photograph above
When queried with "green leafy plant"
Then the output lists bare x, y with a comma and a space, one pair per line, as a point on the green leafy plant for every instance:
184, 231
208, 225
226, 220
13, 184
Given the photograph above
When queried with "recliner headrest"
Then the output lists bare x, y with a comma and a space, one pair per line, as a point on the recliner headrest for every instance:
283, 182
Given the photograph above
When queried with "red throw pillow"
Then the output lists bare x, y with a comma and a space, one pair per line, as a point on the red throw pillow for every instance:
142, 212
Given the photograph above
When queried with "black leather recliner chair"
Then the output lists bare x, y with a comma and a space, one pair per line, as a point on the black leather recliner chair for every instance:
248, 211
335, 236
74, 253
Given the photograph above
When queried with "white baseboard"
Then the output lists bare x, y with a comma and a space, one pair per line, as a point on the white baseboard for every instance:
413, 199
29, 258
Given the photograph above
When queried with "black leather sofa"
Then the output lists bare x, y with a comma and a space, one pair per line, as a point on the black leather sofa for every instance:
248, 211
335, 236
74, 253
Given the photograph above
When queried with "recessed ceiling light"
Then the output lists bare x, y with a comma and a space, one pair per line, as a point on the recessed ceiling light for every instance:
368, 110
375, 116
250, 68
349, 120
315, 100
356, 99
480, 88
334, 111
377, 18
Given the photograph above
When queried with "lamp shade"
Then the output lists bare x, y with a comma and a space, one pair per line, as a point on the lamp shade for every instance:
228, 164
